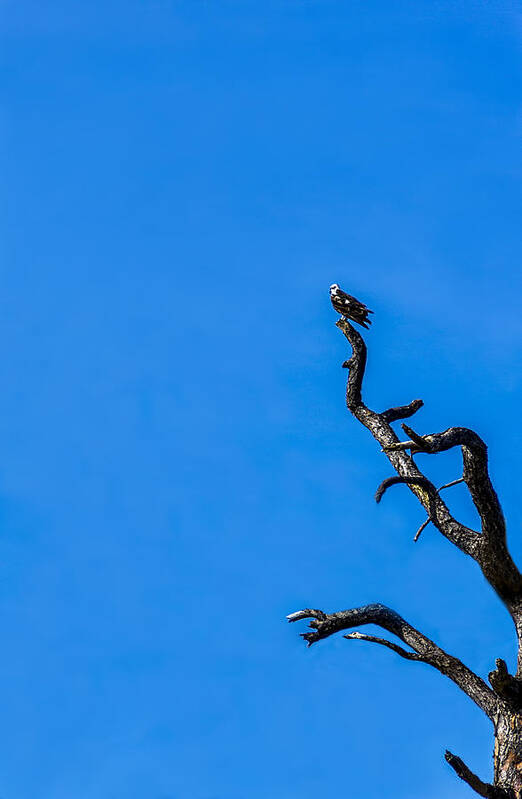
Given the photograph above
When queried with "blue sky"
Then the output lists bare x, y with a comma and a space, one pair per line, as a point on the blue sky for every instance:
182, 182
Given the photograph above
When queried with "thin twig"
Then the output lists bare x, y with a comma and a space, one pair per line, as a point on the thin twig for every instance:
357, 636
482, 788
421, 528
453, 483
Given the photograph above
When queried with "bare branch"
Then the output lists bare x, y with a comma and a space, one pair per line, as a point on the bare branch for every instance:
402, 411
307, 613
474, 782
502, 703
475, 474
356, 364
326, 624
417, 481
400, 446
356, 636
421, 528
460, 535
419, 441
489, 550
453, 483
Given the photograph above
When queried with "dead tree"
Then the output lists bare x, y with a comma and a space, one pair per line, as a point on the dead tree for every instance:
501, 701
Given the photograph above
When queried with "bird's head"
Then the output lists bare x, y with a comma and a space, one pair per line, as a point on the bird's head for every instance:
334, 287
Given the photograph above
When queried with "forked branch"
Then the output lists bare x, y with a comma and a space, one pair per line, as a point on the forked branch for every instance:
502, 703
379, 426
475, 471
424, 649
487, 547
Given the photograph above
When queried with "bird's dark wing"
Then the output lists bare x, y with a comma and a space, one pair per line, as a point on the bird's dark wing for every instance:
351, 307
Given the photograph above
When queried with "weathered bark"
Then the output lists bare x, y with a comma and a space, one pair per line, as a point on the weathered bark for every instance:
502, 703
508, 753
506, 685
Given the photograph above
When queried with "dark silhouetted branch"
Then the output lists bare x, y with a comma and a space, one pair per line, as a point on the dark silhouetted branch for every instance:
380, 428
428, 520
475, 472
474, 782
421, 528
487, 548
402, 411
356, 636
356, 364
416, 481
449, 485
326, 624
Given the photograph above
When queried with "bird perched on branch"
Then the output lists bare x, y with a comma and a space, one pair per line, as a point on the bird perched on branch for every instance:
349, 307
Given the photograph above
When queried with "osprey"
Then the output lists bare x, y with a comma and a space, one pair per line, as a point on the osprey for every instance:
349, 307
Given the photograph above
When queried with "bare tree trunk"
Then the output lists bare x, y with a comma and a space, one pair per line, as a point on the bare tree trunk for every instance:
508, 753
502, 702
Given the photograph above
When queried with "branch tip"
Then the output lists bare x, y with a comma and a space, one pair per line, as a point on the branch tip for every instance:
482, 788
415, 437
401, 411
307, 613
421, 528
423, 482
